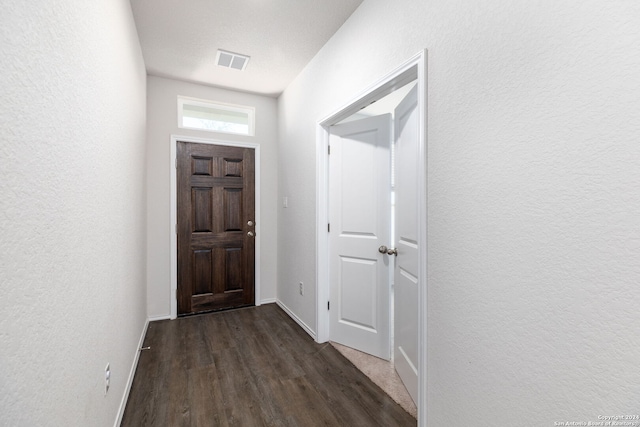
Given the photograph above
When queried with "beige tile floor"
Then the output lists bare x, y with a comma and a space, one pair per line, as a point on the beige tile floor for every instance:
382, 373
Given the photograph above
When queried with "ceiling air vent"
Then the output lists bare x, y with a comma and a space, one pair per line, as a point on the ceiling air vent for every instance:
231, 60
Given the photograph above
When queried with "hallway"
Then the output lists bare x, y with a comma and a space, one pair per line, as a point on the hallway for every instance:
246, 367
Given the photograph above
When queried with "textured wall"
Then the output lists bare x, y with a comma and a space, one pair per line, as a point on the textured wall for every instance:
162, 114
534, 237
72, 209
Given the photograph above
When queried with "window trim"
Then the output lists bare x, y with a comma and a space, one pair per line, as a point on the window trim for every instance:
199, 102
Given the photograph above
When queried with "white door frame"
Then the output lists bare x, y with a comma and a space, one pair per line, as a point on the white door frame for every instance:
174, 212
414, 68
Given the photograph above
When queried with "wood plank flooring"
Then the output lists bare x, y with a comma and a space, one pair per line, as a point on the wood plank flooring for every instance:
250, 367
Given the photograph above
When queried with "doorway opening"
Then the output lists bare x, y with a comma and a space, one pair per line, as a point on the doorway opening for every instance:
412, 70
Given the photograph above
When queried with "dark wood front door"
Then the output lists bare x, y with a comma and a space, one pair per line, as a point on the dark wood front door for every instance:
216, 227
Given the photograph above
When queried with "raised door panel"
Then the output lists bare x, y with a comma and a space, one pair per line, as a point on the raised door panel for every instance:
234, 274
358, 193
233, 214
202, 271
358, 283
202, 210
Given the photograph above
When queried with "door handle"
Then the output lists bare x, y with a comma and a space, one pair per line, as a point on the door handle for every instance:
251, 234
389, 251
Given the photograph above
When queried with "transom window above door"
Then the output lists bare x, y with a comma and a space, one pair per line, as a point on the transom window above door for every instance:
201, 114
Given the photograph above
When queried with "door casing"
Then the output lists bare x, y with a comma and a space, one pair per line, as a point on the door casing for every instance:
413, 69
174, 212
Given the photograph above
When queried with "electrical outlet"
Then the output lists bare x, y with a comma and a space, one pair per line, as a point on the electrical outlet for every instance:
107, 379
301, 288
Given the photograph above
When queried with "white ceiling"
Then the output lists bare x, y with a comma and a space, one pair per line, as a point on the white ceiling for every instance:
180, 38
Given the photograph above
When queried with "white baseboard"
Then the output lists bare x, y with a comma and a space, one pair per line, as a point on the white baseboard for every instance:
268, 301
297, 319
156, 318
132, 373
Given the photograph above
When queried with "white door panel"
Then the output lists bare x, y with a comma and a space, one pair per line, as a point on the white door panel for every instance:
359, 279
359, 188
406, 272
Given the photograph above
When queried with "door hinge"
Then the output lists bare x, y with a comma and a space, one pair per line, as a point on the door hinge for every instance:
328, 149
328, 305
329, 228
175, 228
175, 164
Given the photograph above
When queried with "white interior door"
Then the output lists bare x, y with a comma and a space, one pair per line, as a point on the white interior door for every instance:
359, 214
406, 271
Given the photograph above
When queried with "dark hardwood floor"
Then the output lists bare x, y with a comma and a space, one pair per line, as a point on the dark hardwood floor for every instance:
250, 367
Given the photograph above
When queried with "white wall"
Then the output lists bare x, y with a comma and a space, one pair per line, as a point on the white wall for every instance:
534, 237
72, 210
162, 116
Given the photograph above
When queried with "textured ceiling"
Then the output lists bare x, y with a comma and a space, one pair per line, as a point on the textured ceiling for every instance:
180, 38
